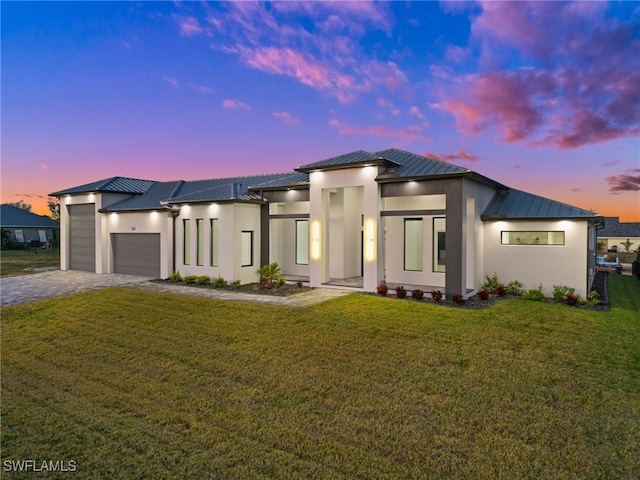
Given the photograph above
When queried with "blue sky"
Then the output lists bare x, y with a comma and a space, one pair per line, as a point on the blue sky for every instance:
541, 96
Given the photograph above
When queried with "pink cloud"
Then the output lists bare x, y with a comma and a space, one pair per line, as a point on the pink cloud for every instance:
383, 102
581, 85
461, 156
625, 182
43, 166
507, 100
171, 81
410, 133
231, 104
286, 118
200, 88
189, 26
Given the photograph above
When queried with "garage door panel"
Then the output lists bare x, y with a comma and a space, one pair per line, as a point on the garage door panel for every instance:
82, 237
136, 253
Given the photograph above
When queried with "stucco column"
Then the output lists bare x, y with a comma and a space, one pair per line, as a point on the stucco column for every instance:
455, 243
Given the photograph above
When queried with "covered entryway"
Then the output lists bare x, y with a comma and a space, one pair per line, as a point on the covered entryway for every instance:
82, 237
136, 253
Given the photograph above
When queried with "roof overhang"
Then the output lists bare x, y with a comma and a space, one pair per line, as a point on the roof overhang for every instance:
381, 162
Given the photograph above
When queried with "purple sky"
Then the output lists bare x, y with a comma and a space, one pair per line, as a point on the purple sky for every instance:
541, 96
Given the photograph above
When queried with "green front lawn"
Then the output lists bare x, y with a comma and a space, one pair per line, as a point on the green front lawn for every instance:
20, 262
133, 384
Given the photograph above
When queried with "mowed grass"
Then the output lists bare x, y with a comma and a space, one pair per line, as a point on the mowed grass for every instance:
21, 262
134, 384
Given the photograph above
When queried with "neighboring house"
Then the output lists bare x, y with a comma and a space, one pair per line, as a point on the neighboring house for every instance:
23, 226
355, 220
614, 233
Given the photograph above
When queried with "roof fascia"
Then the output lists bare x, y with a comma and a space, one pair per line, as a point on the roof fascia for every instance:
343, 166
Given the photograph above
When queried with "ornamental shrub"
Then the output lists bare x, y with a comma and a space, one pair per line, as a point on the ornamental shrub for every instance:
483, 294
269, 274
417, 294
491, 283
436, 295
382, 289
175, 277
458, 299
535, 294
571, 299
189, 279
561, 291
401, 292
515, 288
203, 280
220, 282
501, 290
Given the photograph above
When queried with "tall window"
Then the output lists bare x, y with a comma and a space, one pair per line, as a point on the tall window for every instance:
302, 242
199, 241
413, 244
186, 244
214, 242
439, 249
246, 248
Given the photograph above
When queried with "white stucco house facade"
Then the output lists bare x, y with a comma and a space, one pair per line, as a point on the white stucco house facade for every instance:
351, 221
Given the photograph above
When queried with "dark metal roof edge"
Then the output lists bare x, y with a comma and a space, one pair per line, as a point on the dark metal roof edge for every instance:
495, 218
291, 186
342, 166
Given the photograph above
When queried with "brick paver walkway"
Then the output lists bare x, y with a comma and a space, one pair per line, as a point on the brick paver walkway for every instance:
56, 283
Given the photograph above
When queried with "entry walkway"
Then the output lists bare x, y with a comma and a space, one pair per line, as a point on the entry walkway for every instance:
39, 286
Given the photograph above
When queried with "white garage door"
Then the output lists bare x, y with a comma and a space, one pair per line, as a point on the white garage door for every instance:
136, 253
82, 237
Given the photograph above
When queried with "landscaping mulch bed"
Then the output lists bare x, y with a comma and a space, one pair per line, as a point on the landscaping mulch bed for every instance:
254, 288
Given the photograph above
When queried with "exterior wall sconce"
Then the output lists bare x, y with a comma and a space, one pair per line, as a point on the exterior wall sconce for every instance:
370, 251
315, 240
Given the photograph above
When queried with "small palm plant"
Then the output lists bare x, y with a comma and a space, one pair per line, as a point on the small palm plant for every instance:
269, 274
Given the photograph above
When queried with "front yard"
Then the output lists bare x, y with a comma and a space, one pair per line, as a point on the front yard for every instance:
133, 384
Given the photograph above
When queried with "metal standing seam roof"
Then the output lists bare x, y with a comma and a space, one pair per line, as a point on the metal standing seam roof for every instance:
147, 201
298, 179
358, 157
516, 204
15, 217
412, 165
113, 185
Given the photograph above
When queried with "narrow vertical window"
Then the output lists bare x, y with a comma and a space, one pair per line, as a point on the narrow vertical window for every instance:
302, 242
186, 243
214, 242
413, 244
439, 249
246, 248
199, 241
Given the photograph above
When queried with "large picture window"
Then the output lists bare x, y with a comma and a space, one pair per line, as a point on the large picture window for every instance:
302, 242
213, 244
246, 248
413, 244
439, 244
532, 237
186, 241
199, 241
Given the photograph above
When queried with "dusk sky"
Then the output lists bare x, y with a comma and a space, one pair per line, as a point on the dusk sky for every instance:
540, 96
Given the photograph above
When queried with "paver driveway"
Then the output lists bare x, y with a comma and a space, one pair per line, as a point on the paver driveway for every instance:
56, 283
27, 288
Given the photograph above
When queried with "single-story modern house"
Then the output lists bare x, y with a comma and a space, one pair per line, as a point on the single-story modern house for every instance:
614, 234
355, 220
21, 227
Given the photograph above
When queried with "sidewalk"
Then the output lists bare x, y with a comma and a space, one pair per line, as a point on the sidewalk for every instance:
304, 299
